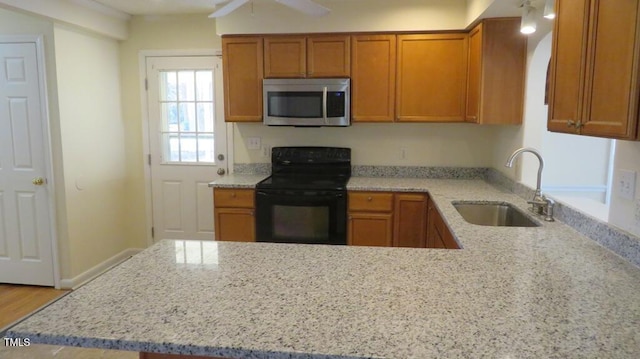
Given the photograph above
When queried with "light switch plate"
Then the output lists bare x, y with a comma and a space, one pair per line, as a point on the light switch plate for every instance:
627, 184
253, 143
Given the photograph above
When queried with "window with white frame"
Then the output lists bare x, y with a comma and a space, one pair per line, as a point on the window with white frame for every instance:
187, 105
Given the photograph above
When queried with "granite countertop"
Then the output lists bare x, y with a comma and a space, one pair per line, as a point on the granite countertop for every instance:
544, 292
237, 181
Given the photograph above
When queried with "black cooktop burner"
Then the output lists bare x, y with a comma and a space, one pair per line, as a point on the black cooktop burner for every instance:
316, 168
304, 182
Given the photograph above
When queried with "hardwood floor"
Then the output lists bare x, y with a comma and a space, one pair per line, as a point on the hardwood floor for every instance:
17, 301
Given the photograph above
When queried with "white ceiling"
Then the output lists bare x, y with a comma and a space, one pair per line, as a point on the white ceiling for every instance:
160, 7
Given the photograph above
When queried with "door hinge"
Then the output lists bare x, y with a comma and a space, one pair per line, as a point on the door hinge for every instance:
146, 85
153, 232
149, 159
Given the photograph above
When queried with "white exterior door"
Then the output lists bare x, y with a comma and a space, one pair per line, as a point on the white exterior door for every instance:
26, 249
187, 143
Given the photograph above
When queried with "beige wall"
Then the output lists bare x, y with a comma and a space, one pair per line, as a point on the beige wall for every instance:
92, 133
463, 145
345, 16
625, 213
151, 33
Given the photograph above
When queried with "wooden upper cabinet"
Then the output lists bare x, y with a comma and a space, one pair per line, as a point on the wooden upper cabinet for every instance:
306, 56
285, 56
328, 56
595, 68
431, 77
611, 103
497, 61
568, 65
242, 76
373, 78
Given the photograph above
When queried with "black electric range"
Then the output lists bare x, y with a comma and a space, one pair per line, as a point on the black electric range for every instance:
305, 199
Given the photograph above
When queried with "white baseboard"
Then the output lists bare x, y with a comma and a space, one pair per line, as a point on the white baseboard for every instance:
84, 277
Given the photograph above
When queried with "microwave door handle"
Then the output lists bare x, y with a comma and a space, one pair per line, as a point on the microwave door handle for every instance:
324, 104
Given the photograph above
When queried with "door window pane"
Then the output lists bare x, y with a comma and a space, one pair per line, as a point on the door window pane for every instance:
188, 116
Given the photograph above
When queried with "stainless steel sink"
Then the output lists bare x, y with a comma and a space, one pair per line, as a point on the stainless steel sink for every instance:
494, 214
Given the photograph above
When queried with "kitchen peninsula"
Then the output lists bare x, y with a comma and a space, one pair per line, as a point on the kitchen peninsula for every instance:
543, 292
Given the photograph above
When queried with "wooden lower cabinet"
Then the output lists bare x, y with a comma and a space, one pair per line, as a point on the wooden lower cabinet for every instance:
409, 225
396, 220
370, 219
234, 214
370, 229
438, 234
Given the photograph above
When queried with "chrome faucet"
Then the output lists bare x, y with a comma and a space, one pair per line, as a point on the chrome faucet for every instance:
539, 204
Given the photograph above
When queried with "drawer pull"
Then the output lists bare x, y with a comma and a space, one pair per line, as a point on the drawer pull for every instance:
233, 195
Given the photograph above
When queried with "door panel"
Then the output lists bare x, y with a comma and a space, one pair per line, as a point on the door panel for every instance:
26, 250
187, 136
172, 206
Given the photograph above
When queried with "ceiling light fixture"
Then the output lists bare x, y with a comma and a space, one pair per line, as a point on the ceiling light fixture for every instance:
528, 24
550, 9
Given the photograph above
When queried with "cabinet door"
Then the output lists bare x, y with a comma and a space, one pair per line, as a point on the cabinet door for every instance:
475, 74
438, 234
497, 59
235, 224
410, 218
370, 229
568, 64
373, 78
328, 56
285, 56
242, 63
432, 78
611, 105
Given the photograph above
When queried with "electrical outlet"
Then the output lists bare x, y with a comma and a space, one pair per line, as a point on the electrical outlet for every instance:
253, 143
266, 150
402, 154
627, 184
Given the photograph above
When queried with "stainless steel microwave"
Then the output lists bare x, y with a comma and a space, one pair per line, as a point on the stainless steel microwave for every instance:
306, 102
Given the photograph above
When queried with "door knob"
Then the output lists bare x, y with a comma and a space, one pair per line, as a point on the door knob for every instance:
38, 181
221, 171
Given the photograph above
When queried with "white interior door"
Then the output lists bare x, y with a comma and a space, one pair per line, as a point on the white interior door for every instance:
26, 255
187, 143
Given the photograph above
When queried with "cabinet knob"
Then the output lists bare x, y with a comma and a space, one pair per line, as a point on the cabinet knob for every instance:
233, 195
369, 199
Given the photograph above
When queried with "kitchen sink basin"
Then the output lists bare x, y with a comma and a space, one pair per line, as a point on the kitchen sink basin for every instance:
493, 214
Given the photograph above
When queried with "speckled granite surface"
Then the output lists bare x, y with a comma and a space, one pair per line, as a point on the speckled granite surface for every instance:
545, 292
238, 181
419, 172
623, 243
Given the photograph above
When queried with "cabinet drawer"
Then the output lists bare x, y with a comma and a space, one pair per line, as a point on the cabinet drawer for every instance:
232, 197
370, 202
